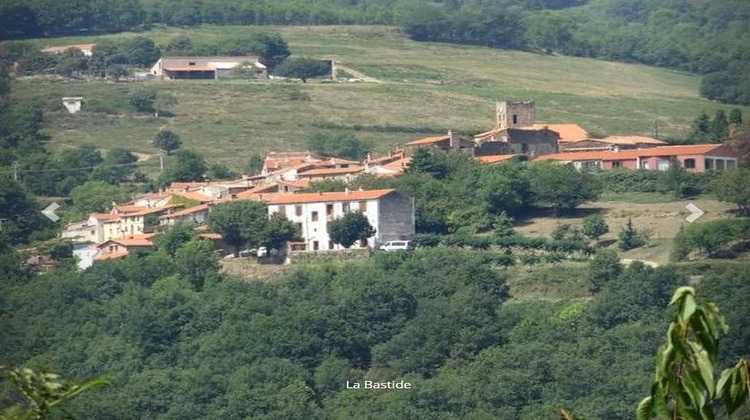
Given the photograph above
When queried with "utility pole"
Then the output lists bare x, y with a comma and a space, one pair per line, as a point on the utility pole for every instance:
161, 162
15, 171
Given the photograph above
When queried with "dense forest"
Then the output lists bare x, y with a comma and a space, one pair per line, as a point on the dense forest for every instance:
709, 38
178, 339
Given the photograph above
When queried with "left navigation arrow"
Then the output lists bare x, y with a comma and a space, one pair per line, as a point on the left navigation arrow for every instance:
50, 212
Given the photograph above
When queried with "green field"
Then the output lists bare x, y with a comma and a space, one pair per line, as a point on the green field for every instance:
426, 88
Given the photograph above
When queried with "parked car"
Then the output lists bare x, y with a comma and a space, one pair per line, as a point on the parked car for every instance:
248, 253
262, 252
396, 246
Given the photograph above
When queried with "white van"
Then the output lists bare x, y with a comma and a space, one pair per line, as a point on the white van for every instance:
396, 246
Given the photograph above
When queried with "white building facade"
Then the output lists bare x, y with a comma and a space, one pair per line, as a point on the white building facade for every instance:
389, 212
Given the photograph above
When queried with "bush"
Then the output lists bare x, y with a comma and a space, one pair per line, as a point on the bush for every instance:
594, 226
631, 238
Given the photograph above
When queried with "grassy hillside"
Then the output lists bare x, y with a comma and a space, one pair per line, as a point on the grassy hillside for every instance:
425, 88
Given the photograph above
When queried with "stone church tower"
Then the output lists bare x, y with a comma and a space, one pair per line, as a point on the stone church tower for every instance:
515, 114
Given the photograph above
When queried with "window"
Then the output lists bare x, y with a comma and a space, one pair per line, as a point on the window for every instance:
298, 227
282, 209
330, 244
362, 206
316, 246
709, 163
191, 63
524, 148
731, 164
662, 164
329, 209
345, 207
591, 165
298, 210
719, 164
363, 243
314, 216
515, 119
689, 163
617, 164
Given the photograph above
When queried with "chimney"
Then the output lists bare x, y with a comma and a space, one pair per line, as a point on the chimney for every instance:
616, 149
454, 140
346, 190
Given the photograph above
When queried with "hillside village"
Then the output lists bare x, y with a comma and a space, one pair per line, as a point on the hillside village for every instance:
285, 177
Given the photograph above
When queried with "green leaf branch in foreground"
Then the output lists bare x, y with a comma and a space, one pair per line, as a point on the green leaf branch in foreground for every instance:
685, 385
46, 394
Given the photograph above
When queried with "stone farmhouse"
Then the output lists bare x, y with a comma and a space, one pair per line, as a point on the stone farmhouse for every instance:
170, 68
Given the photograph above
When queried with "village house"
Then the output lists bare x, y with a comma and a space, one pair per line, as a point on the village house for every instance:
171, 68
694, 158
515, 141
389, 212
86, 49
340, 174
124, 245
196, 214
452, 141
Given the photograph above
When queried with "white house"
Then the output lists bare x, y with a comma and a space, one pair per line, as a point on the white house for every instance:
207, 67
388, 211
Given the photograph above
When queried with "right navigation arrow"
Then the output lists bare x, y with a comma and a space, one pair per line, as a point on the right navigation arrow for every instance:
695, 212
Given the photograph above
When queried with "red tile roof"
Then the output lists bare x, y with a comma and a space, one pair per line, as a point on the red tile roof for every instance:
630, 140
110, 255
194, 195
181, 186
567, 132
106, 216
324, 196
691, 149
493, 158
187, 211
132, 240
332, 171
188, 68
300, 183
428, 140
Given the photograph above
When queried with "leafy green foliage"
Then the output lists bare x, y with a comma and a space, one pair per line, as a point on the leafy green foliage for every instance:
302, 68
345, 146
595, 226
350, 228
45, 393
545, 185
603, 268
167, 140
630, 237
19, 213
254, 164
712, 238
142, 100
188, 165
732, 187
97, 196
685, 384
246, 223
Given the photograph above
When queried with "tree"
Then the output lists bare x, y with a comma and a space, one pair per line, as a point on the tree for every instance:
345, 146
19, 212
719, 131
141, 51
188, 166
350, 228
732, 187
279, 230
629, 237
142, 100
701, 128
685, 386
735, 116
167, 141
545, 185
119, 162
427, 161
197, 262
594, 226
740, 141
302, 68
676, 180
605, 267
97, 196
219, 171
171, 240
179, 45
240, 223
254, 164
